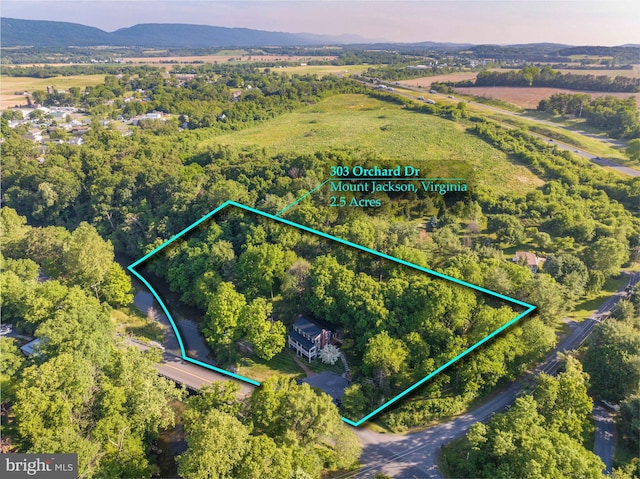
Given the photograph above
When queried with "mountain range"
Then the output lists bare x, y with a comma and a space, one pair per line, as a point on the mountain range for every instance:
41, 33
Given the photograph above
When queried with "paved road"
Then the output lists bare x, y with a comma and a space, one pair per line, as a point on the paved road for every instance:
189, 374
563, 146
605, 443
172, 365
414, 455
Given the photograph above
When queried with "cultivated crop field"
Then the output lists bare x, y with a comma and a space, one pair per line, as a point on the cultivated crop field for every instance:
529, 97
374, 129
224, 57
340, 70
10, 85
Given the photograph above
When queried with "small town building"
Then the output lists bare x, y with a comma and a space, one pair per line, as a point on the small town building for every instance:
529, 260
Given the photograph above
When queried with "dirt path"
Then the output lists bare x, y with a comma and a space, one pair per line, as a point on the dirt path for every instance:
304, 367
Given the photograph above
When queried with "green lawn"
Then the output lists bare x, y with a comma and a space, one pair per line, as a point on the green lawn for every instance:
131, 321
369, 128
281, 364
585, 308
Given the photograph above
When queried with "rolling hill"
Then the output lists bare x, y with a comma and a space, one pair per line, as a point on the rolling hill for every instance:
39, 33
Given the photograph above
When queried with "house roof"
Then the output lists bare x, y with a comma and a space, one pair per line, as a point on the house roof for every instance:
308, 327
28, 348
530, 258
304, 342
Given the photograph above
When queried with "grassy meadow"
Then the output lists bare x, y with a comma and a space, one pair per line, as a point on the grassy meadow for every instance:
370, 128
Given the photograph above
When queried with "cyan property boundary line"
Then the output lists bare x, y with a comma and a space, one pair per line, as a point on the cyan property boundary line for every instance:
529, 307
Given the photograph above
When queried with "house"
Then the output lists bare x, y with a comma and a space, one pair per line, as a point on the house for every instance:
79, 130
528, 259
34, 135
307, 338
76, 141
31, 347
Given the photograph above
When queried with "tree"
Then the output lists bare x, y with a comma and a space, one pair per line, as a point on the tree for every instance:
216, 443
223, 313
613, 360
329, 354
543, 292
564, 400
519, 444
267, 336
11, 364
88, 259
447, 240
330, 285
508, 229
117, 289
79, 326
633, 149
51, 400
260, 269
265, 460
607, 255
385, 355
630, 421
297, 415
36, 114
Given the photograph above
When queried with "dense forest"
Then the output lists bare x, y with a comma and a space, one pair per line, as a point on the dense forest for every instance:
547, 77
557, 413
397, 324
87, 390
619, 118
542, 435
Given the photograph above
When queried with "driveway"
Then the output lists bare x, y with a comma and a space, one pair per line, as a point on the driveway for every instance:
605, 442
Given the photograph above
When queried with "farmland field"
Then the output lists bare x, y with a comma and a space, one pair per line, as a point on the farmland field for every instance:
376, 129
612, 73
226, 56
529, 97
10, 85
425, 82
323, 69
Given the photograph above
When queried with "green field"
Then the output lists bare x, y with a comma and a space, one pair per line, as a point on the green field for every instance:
282, 364
587, 307
375, 129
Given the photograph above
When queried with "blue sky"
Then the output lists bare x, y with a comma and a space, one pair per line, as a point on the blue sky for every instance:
503, 22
